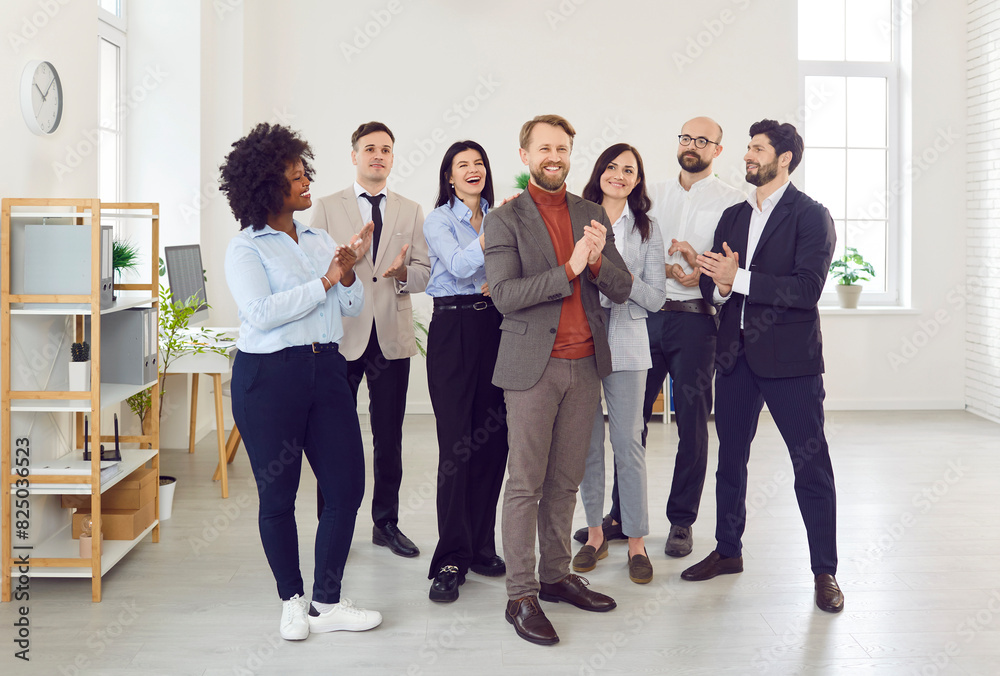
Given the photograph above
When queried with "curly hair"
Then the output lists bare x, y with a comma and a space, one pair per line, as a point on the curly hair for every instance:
253, 174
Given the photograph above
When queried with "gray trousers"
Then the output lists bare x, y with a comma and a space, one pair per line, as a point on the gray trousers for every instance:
549, 432
623, 391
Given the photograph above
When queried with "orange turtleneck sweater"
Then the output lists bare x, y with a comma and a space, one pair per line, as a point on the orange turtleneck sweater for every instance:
573, 337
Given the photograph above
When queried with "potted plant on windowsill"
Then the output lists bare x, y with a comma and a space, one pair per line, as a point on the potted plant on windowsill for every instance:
848, 270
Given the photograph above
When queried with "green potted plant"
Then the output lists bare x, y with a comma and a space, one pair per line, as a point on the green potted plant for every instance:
848, 270
521, 180
175, 339
124, 258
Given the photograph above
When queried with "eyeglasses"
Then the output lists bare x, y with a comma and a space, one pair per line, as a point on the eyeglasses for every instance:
699, 142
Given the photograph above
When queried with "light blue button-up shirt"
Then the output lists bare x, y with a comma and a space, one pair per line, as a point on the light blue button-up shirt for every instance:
278, 291
457, 262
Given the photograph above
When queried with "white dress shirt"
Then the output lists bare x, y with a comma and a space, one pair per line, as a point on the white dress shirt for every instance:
758, 221
691, 216
366, 207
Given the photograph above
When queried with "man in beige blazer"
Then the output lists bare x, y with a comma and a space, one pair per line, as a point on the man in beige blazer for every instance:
379, 342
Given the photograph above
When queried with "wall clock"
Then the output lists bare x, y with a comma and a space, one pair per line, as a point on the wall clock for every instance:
41, 97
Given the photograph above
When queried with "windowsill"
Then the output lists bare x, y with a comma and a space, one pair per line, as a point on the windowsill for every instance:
869, 310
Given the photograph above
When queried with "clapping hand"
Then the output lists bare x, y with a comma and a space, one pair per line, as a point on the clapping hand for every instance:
398, 268
362, 241
721, 267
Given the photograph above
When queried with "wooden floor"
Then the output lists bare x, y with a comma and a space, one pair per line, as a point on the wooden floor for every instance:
919, 534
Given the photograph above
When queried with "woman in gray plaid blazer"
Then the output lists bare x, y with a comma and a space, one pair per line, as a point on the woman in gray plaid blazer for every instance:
618, 184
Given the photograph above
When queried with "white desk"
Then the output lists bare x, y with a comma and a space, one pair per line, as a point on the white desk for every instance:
216, 365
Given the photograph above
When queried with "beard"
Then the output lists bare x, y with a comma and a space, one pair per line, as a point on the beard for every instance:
692, 163
765, 174
547, 181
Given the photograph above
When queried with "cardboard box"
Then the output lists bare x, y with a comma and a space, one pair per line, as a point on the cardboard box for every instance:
118, 524
132, 492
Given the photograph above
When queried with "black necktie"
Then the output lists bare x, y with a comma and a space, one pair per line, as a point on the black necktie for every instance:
376, 219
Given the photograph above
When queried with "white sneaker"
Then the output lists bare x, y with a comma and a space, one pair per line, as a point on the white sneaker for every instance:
294, 622
344, 616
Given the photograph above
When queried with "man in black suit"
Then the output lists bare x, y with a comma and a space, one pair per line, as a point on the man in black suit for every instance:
768, 266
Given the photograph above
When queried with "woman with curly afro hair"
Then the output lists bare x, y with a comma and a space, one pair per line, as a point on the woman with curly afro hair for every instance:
291, 285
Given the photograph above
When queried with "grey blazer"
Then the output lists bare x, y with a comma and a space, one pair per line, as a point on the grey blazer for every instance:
527, 284
627, 334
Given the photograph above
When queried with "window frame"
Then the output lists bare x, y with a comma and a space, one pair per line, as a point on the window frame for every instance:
108, 32
897, 184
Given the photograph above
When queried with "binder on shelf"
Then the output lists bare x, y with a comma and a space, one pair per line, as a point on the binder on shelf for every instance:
57, 260
128, 347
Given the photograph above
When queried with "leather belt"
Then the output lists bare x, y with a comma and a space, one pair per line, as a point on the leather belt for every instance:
314, 348
470, 302
698, 306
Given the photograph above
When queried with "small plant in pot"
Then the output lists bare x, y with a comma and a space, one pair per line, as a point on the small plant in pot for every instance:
79, 367
848, 270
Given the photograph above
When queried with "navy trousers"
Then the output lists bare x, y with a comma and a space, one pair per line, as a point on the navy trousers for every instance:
285, 404
796, 404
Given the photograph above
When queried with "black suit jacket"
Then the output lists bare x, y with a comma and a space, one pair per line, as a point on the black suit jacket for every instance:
781, 325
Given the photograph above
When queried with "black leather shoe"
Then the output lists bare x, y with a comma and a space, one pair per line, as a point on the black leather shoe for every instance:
390, 536
828, 594
678, 541
530, 622
492, 567
712, 565
612, 531
573, 590
444, 588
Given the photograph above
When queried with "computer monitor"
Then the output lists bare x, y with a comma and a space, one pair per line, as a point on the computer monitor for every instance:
187, 278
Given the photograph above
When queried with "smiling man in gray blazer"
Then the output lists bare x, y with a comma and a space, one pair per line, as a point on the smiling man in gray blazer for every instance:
548, 254
379, 342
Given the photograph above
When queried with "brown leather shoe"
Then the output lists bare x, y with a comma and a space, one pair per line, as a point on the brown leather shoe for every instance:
828, 594
573, 590
678, 541
530, 622
586, 559
712, 565
640, 570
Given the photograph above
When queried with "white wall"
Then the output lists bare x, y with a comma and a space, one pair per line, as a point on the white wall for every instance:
631, 72
983, 335
63, 164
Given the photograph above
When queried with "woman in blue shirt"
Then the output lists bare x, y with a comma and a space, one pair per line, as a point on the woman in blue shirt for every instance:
462, 349
291, 285
618, 184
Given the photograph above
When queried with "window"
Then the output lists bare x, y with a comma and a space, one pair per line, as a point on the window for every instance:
111, 86
849, 60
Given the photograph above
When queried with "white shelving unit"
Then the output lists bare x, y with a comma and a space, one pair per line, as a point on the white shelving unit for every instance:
58, 555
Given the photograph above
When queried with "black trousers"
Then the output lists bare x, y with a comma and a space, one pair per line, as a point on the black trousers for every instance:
285, 404
796, 405
471, 420
387, 383
683, 345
